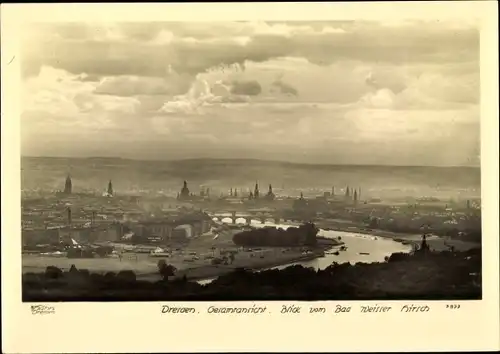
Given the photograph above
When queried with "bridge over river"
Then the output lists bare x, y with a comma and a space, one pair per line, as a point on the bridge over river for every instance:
262, 215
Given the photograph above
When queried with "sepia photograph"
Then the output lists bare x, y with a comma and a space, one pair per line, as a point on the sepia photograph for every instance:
325, 169
250, 160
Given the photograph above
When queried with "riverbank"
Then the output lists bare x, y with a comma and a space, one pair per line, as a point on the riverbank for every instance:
272, 257
423, 276
360, 242
145, 267
436, 243
335, 226
212, 271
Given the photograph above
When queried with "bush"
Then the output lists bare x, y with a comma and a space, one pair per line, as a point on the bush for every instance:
110, 276
52, 272
126, 276
397, 257
84, 272
96, 278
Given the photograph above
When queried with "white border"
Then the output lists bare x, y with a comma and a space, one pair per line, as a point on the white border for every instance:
131, 327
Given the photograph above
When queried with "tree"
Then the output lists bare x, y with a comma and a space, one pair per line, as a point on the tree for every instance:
166, 270
373, 223
127, 276
52, 272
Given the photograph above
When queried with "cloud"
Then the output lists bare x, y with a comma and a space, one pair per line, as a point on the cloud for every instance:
58, 96
249, 88
285, 88
203, 94
424, 91
126, 86
192, 48
368, 92
383, 98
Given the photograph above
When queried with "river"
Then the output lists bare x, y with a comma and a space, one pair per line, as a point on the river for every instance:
375, 248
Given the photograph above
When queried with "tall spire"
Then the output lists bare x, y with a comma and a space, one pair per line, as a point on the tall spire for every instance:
68, 186
256, 191
184, 191
270, 195
110, 188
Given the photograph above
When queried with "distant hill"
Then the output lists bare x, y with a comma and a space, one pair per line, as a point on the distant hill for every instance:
222, 174
234, 161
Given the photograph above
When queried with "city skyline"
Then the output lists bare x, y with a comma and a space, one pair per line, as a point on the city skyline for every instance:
337, 93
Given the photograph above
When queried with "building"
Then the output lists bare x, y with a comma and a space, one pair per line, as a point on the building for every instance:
110, 189
347, 193
68, 185
96, 233
33, 237
184, 194
172, 228
270, 195
256, 191
301, 204
79, 234
111, 232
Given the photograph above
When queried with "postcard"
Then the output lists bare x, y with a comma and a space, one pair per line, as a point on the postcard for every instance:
250, 177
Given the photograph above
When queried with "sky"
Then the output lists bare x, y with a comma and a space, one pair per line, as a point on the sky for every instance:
350, 92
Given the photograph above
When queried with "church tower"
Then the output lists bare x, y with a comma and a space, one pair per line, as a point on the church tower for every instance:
256, 191
68, 186
184, 191
110, 189
270, 195
348, 194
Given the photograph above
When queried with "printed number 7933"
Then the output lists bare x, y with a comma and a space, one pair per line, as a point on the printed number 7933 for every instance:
453, 306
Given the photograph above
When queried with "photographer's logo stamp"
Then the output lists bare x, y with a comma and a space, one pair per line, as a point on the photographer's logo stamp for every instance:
42, 310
